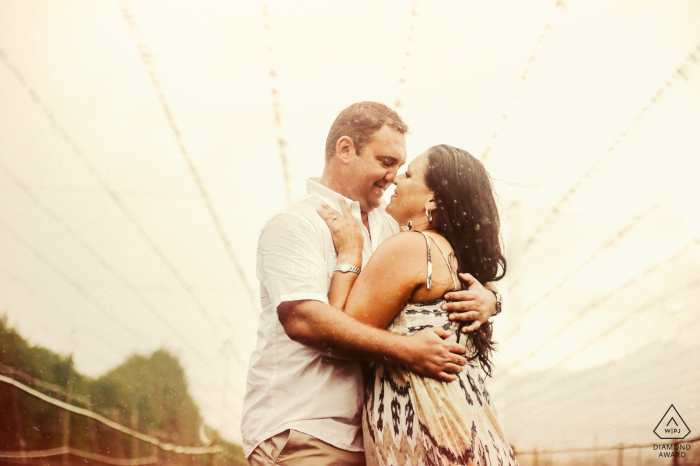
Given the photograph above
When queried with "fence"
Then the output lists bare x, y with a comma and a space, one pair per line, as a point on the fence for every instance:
160, 451
675, 446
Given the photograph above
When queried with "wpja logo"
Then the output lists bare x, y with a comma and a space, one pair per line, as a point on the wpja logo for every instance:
672, 427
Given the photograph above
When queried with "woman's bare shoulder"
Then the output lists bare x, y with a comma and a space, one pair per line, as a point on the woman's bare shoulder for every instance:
402, 251
403, 242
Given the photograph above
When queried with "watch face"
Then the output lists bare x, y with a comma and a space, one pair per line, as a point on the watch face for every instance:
345, 267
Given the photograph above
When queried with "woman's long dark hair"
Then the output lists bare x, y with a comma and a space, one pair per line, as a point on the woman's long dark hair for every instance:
467, 217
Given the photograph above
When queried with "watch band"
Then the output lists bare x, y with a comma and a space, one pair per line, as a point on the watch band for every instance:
345, 267
498, 302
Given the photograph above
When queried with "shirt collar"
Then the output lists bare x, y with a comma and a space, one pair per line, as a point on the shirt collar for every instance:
327, 195
330, 197
375, 217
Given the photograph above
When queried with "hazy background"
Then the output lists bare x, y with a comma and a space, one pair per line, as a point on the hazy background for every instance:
143, 145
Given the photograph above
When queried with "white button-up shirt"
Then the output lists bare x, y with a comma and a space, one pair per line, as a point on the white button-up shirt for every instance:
289, 385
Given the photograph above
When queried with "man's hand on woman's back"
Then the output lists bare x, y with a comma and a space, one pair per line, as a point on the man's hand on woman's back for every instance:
475, 305
429, 355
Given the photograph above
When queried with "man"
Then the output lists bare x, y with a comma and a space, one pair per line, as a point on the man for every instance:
304, 388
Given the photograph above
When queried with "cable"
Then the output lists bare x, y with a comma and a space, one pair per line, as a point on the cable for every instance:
607, 244
114, 425
105, 264
103, 183
277, 107
40, 298
582, 398
146, 59
616, 447
635, 311
101, 260
398, 102
598, 301
679, 73
532, 395
65, 450
558, 6
91, 298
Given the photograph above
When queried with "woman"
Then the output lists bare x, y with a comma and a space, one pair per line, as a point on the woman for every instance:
445, 201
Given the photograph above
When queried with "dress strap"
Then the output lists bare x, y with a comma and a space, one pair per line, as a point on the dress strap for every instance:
430, 264
429, 282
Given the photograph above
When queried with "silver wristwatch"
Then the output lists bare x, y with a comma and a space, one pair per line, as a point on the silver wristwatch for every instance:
499, 302
345, 267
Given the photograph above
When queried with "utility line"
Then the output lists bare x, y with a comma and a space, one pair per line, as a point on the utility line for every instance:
617, 447
146, 59
632, 281
563, 377
624, 383
273, 75
80, 289
109, 423
75, 285
681, 72
407, 55
103, 182
648, 303
101, 260
106, 265
613, 327
559, 5
606, 245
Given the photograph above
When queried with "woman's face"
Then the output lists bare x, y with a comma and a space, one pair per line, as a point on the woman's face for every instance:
411, 195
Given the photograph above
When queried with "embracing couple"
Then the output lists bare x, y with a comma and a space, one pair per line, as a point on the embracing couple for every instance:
360, 358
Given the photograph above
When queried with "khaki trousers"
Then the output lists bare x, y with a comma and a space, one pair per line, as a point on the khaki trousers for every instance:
294, 448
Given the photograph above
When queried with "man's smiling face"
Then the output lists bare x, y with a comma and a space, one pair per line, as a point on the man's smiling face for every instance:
374, 169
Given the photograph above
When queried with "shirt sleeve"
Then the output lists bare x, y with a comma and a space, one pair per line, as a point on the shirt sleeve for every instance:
291, 260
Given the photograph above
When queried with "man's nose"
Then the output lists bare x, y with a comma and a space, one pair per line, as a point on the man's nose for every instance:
390, 176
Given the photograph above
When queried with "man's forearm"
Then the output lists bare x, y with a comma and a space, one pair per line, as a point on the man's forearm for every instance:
335, 333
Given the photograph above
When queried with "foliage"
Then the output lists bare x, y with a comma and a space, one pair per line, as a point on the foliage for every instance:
147, 393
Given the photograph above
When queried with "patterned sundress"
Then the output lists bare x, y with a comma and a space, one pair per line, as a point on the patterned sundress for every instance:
410, 420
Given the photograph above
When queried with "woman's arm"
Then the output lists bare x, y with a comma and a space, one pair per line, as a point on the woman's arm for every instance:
388, 281
348, 241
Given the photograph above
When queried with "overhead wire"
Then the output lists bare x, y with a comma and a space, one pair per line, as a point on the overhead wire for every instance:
105, 264
637, 393
407, 56
559, 5
35, 294
147, 60
523, 384
628, 283
65, 277
599, 336
100, 259
614, 327
103, 183
562, 376
110, 423
275, 92
605, 246
83, 292
679, 73
595, 449
531, 394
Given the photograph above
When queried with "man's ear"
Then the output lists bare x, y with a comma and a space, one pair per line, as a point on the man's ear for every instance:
345, 149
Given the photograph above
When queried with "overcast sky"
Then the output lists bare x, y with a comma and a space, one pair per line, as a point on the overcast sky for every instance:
139, 161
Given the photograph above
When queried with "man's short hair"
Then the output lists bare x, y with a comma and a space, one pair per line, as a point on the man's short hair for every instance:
359, 122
